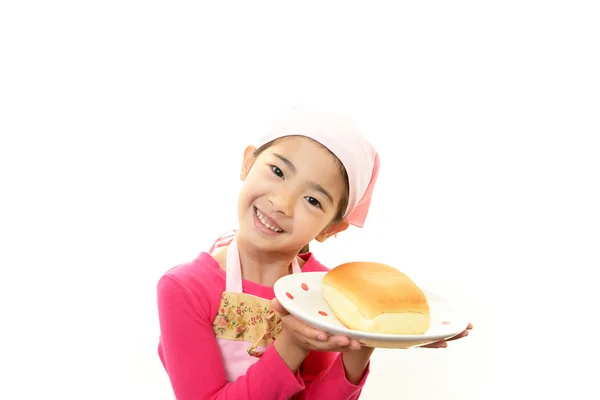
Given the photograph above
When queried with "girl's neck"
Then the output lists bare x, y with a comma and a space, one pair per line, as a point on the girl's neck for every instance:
261, 267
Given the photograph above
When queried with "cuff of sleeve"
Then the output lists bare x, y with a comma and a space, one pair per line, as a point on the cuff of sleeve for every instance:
289, 382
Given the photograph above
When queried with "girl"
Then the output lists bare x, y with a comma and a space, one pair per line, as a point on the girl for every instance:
223, 336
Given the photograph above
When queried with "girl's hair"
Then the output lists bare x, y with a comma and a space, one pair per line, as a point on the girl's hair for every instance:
339, 216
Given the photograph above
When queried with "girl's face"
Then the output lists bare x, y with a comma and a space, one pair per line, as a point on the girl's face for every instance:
291, 194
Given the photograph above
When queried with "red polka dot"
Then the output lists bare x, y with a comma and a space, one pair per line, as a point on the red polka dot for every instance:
289, 295
323, 313
304, 286
446, 322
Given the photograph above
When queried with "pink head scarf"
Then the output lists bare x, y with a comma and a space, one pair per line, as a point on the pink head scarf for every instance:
342, 138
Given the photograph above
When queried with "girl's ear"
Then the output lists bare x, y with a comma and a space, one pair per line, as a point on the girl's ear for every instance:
333, 230
247, 162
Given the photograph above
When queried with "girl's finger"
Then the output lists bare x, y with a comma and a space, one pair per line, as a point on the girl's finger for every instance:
303, 330
339, 341
437, 345
355, 345
308, 334
460, 335
334, 344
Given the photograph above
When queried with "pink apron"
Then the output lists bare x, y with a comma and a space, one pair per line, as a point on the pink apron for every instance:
245, 324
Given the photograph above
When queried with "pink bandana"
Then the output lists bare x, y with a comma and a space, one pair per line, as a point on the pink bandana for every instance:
342, 138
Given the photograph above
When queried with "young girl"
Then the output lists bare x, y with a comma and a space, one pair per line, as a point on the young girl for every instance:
223, 336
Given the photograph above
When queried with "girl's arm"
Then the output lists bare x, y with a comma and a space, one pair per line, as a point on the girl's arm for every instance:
326, 372
356, 363
193, 361
326, 376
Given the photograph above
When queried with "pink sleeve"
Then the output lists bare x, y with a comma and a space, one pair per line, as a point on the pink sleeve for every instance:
192, 357
331, 382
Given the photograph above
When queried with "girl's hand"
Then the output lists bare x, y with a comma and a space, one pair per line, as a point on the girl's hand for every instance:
308, 338
443, 343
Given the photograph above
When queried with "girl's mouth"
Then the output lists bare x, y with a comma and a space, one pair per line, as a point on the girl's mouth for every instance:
267, 222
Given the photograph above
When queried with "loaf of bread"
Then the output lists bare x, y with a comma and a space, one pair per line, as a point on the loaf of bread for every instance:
376, 298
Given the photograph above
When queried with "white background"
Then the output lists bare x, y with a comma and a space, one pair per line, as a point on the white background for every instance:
122, 128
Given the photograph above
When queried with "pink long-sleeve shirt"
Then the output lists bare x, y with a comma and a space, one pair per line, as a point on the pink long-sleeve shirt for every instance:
188, 299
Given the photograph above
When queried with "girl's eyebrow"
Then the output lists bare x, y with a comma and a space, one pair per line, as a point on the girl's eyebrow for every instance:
313, 185
320, 188
286, 162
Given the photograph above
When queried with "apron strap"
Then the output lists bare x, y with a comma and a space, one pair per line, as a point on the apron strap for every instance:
233, 270
223, 240
295, 266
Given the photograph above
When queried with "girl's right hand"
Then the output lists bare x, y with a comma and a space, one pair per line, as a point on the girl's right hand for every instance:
307, 338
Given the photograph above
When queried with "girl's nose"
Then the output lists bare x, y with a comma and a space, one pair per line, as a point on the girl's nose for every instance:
282, 203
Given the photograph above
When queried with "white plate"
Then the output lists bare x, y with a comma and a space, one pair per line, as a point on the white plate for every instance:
300, 294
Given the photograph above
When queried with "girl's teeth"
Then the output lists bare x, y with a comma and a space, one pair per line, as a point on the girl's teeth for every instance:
262, 219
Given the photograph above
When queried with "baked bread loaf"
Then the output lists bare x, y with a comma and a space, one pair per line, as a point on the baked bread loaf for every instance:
376, 298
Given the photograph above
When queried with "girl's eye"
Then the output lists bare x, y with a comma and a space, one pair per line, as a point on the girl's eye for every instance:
313, 201
277, 171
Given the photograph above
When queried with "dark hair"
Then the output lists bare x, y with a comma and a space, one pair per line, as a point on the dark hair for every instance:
339, 216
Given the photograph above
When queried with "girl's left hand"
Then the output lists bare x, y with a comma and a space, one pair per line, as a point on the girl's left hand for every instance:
306, 335
444, 343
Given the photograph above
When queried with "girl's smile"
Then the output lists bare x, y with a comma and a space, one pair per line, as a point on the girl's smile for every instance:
266, 224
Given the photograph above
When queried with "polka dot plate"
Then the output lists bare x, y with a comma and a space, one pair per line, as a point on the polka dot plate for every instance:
300, 294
